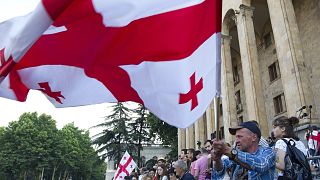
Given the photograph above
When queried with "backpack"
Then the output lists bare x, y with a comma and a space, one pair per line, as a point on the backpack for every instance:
296, 163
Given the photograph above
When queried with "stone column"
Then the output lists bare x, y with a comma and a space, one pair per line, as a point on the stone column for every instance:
251, 73
181, 139
228, 100
190, 137
210, 120
187, 138
294, 75
202, 135
199, 131
196, 133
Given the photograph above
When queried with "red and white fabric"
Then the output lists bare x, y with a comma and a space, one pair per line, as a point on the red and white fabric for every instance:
314, 140
164, 54
125, 167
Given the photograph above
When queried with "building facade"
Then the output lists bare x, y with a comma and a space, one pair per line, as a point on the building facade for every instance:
270, 67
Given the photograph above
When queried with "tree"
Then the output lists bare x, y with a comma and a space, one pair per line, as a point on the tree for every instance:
79, 158
27, 144
165, 132
2, 149
33, 147
112, 141
139, 131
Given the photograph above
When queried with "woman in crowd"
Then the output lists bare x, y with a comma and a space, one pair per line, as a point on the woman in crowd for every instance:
162, 173
152, 172
193, 161
283, 129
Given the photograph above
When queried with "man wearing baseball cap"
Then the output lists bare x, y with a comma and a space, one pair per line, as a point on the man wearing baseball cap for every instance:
248, 160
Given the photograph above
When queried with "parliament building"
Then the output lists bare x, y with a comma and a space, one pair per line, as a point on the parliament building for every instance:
270, 55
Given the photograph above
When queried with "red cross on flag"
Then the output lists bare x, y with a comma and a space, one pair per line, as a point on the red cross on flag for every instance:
125, 167
164, 54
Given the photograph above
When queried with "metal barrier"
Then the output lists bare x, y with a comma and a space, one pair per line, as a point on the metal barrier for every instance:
313, 158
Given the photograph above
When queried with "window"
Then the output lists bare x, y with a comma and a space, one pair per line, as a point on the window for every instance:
274, 72
204, 116
279, 104
238, 97
238, 102
236, 78
221, 110
221, 132
267, 40
240, 120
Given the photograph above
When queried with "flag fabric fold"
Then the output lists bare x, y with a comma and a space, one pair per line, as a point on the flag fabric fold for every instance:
164, 54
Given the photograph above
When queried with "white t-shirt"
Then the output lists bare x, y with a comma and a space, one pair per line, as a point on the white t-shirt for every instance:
281, 145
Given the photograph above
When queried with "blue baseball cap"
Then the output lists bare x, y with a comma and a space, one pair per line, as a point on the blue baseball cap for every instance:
251, 125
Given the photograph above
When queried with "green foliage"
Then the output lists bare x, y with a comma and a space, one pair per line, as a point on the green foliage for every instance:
114, 140
139, 131
165, 132
127, 129
33, 146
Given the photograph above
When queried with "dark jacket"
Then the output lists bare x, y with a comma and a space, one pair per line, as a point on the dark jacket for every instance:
187, 176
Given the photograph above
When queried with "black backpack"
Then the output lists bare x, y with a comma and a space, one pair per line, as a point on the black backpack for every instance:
296, 163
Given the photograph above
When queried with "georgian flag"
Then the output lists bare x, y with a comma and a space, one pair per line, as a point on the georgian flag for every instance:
164, 54
125, 167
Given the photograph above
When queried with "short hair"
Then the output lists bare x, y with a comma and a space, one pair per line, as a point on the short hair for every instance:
208, 141
184, 150
162, 160
191, 150
154, 157
181, 164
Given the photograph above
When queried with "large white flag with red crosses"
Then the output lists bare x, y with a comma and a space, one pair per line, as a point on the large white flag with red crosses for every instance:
125, 167
164, 54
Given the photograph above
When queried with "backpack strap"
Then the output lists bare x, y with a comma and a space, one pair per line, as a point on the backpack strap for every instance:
291, 147
289, 142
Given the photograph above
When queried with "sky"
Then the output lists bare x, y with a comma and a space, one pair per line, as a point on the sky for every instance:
83, 117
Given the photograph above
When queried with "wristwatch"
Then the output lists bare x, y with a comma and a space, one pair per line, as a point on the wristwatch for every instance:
234, 153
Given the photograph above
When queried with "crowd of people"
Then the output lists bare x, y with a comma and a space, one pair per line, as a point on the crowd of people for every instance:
250, 157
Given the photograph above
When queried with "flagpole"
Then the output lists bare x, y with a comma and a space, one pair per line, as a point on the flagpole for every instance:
216, 102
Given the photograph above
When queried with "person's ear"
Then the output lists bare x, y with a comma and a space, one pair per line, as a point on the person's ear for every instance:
254, 137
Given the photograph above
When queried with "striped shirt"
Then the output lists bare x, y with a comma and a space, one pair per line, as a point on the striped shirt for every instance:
262, 163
